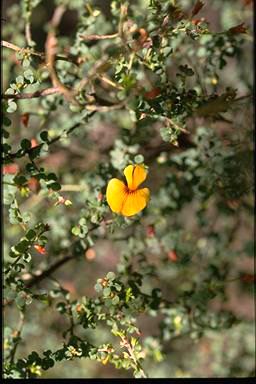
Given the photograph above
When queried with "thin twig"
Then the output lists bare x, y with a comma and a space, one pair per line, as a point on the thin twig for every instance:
107, 80
10, 45
34, 200
57, 15
32, 95
95, 70
8, 269
97, 37
104, 108
176, 126
51, 49
69, 310
129, 348
13, 155
30, 51
28, 33
37, 279
17, 336
243, 97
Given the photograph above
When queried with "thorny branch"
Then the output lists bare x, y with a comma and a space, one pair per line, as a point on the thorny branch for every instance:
126, 343
30, 51
51, 49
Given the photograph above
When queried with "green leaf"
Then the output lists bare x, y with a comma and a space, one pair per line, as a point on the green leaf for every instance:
31, 234
25, 144
6, 147
44, 136
20, 54
98, 287
10, 91
6, 121
14, 215
12, 106
106, 292
6, 134
165, 134
22, 246
54, 186
29, 75
52, 176
111, 276
14, 87
90, 241
25, 63
84, 229
115, 300
20, 180
82, 221
118, 287
9, 197
27, 257
26, 217
30, 167
20, 79
76, 230
14, 253
139, 159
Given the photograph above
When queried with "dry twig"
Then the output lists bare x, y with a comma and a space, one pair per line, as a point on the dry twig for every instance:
42, 92
51, 49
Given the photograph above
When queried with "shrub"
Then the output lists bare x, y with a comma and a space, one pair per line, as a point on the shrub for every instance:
89, 89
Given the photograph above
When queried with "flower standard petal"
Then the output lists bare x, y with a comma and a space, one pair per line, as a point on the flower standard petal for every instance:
135, 175
135, 202
116, 194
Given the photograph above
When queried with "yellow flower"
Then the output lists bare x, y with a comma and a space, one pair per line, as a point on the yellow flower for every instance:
128, 199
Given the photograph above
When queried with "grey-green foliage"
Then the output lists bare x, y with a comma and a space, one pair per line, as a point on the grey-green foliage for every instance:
157, 89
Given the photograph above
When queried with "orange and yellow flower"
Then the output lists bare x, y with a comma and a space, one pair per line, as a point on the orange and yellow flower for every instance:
128, 199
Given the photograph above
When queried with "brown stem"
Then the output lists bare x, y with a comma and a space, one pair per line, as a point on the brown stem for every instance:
51, 48
14, 47
36, 279
43, 92
28, 33
10, 45
49, 271
58, 13
98, 37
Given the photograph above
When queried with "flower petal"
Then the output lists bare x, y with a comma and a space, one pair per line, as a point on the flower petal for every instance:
135, 175
116, 194
135, 202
